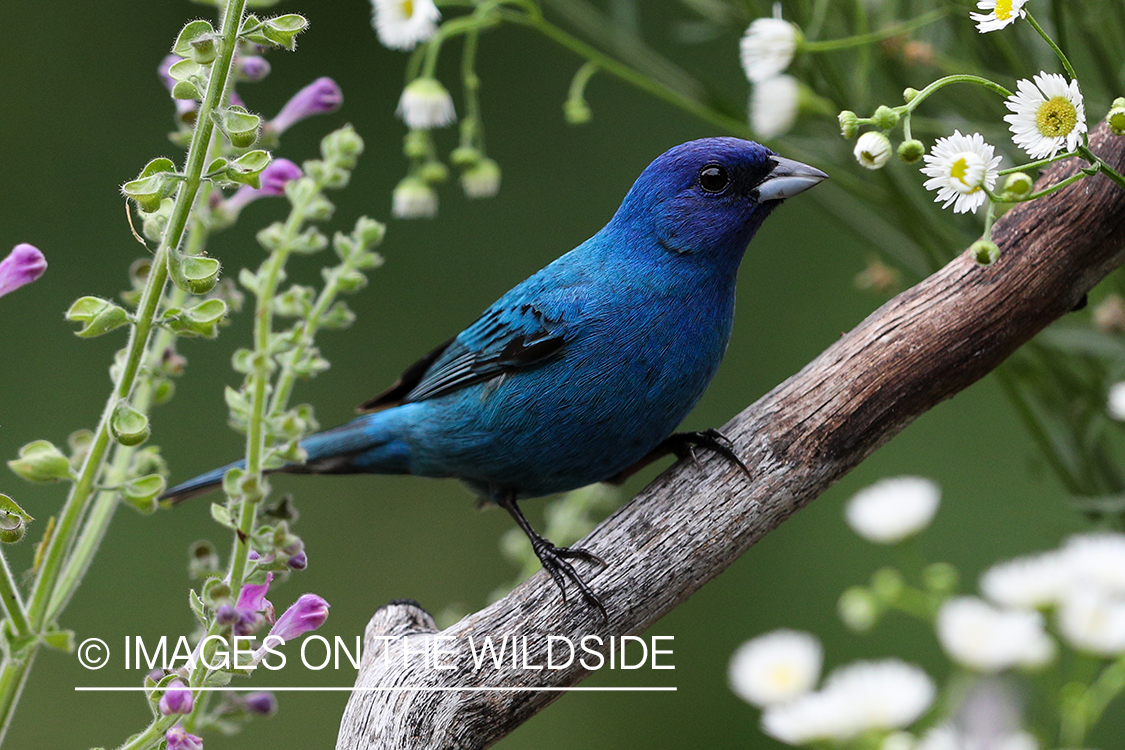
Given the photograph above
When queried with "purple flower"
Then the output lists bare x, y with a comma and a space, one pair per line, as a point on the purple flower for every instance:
273, 179
178, 739
307, 613
318, 98
279, 172
252, 67
299, 561
177, 699
262, 704
23, 265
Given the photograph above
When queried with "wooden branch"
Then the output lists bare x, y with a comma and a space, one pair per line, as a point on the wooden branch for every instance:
686, 527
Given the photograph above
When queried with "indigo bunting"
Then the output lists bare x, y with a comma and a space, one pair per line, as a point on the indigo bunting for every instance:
581, 373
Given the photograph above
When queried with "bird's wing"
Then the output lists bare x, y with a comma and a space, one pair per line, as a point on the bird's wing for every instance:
507, 337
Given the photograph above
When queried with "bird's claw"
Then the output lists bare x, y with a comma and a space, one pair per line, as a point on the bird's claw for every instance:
683, 445
555, 562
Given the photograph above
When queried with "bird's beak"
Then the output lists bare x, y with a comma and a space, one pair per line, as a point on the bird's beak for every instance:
787, 179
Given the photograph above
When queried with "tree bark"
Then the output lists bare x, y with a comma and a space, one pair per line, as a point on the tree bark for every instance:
918, 349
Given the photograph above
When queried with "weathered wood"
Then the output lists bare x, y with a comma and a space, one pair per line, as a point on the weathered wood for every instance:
920, 348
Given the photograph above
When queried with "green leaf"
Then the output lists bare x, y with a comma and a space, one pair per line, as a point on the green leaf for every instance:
97, 315
61, 640
221, 515
40, 461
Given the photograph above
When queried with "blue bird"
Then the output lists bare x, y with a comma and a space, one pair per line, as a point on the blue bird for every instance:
581, 373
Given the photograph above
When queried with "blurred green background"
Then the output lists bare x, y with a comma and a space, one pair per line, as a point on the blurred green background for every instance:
83, 111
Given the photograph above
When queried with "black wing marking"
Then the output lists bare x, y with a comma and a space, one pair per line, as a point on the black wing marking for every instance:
454, 365
406, 382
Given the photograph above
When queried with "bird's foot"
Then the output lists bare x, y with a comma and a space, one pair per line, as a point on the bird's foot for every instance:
683, 445
556, 562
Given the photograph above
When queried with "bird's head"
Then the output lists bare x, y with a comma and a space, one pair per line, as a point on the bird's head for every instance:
711, 195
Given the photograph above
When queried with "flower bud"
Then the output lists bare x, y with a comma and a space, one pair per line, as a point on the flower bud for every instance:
433, 172
984, 252
1115, 118
1018, 185
177, 698
308, 613
482, 180
342, 147
577, 111
413, 199
858, 609
849, 124
911, 151
940, 578
885, 118
261, 703
873, 149
251, 68
178, 739
426, 104
887, 584
23, 265
909, 93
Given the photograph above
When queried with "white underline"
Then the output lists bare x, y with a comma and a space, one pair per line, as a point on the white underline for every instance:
397, 689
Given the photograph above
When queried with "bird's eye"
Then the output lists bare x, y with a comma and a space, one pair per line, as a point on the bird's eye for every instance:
714, 178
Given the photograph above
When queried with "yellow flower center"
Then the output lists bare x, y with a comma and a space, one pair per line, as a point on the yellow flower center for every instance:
959, 171
1056, 117
1003, 9
407, 8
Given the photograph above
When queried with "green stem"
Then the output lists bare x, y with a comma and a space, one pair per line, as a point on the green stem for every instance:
862, 40
1103, 167
628, 74
958, 78
13, 602
1054, 47
13, 674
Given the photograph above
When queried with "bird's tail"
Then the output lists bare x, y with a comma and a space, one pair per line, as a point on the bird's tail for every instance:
368, 444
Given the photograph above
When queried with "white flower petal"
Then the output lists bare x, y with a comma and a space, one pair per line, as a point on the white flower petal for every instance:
999, 14
773, 106
858, 698
767, 48
893, 509
958, 167
1115, 402
776, 667
1092, 620
1028, 582
1063, 113
401, 24
987, 639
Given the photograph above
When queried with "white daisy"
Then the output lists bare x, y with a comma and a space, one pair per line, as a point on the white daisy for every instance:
999, 14
893, 509
1047, 115
401, 24
426, 104
1115, 402
981, 637
1098, 559
767, 48
958, 166
1029, 582
775, 667
413, 199
872, 149
773, 106
1094, 621
861, 697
